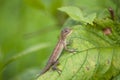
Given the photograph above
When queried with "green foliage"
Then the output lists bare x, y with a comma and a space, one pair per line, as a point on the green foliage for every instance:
97, 56
23, 27
76, 14
26, 24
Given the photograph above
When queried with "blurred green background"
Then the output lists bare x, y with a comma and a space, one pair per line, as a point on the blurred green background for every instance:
29, 30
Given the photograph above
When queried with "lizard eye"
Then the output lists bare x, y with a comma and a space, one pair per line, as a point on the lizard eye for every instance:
66, 30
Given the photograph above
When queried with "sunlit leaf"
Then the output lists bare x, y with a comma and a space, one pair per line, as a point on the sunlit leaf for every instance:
96, 58
74, 12
78, 15
90, 18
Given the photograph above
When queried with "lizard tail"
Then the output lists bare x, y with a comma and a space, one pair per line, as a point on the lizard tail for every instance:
44, 70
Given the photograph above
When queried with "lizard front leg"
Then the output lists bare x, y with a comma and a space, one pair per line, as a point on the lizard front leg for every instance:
68, 49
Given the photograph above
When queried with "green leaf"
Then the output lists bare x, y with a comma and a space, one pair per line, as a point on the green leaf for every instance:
23, 53
76, 14
96, 58
73, 12
90, 18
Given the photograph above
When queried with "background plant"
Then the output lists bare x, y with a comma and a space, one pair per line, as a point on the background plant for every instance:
26, 28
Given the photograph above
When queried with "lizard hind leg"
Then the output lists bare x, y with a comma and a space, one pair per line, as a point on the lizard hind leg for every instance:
54, 67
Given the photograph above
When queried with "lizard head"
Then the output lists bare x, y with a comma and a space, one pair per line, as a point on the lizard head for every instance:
65, 32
